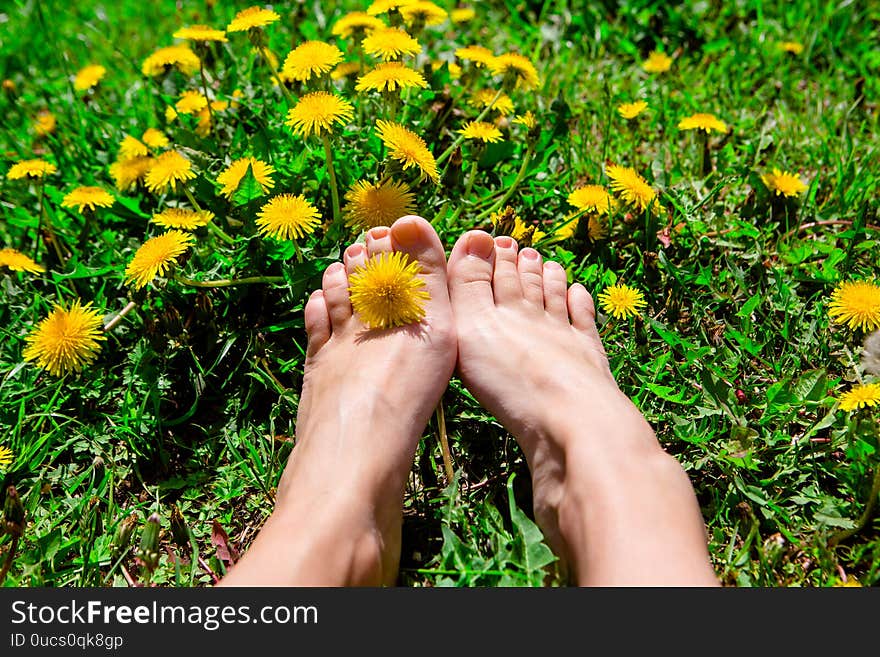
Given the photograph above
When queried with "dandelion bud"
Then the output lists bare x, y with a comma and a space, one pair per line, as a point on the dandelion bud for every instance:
871, 353
124, 530
13, 513
179, 530
98, 467
9, 87
148, 551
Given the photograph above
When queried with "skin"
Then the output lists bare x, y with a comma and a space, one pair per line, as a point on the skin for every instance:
613, 505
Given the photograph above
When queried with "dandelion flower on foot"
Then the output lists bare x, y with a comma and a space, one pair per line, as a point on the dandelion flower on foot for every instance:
288, 217
377, 204
18, 261
386, 291
156, 256
67, 340
622, 301
87, 197
856, 304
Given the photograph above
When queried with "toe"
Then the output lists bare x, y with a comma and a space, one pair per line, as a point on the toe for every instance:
317, 322
354, 257
505, 278
581, 309
531, 276
378, 240
416, 238
470, 273
335, 287
555, 289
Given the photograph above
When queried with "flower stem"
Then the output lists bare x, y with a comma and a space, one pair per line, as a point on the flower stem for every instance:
49, 229
334, 190
212, 227
118, 318
205, 89
520, 176
227, 282
444, 443
284, 90
461, 138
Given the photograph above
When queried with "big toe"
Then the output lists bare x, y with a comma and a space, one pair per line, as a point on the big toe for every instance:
470, 268
415, 237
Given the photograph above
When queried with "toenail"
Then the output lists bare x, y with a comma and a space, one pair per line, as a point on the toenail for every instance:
530, 254
335, 268
480, 244
406, 232
355, 250
550, 264
379, 232
505, 242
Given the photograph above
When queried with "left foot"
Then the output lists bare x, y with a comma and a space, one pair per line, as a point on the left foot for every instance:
366, 399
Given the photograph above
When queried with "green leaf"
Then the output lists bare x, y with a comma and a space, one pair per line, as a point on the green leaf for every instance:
248, 189
535, 553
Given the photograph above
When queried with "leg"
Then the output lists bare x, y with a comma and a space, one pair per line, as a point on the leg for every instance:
366, 399
613, 505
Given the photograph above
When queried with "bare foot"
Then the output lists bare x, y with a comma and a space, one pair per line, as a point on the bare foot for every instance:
530, 353
367, 396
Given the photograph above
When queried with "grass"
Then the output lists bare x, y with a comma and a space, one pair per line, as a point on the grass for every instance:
189, 410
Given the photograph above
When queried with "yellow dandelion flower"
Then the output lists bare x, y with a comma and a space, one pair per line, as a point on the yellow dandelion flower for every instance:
481, 131
252, 17
154, 138
87, 197
631, 186
422, 12
88, 77
454, 70
861, 396
377, 204
315, 113
390, 43
783, 183
67, 340
478, 55
203, 127
45, 123
566, 229
462, 15
526, 234
182, 218
483, 98
386, 291
161, 61
702, 121
632, 110
384, 6
268, 56
18, 261
127, 172
201, 33
657, 62
156, 256
515, 67
856, 304
592, 198
344, 70
310, 59
408, 148
528, 120
170, 114
30, 169
191, 102
621, 301
288, 217
792, 47
131, 147
232, 175
356, 23
390, 76
597, 227
7, 456
167, 170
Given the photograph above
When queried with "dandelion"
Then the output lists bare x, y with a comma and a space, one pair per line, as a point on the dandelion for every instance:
390, 43
168, 169
154, 138
18, 261
514, 66
462, 15
312, 58
156, 256
30, 169
344, 70
525, 234
657, 62
377, 204
356, 23
390, 76
528, 120
191, 102
478, 55
231, 177
621, 301
67, 340
386, 291
701, 121
856, 304
288, 217
88, 77
861, 396
127, 172
200, 33
484, 98
592, 198
481, 131
7, 456
783, 183
408, 148
251, 18
632, 110
792, 47
631, 186
385, 6
45, 123
87, 197
315, 113
130, 148
180, 57
203, 127
422, 12
182, 218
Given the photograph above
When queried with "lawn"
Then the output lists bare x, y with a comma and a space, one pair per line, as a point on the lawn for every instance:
740, 201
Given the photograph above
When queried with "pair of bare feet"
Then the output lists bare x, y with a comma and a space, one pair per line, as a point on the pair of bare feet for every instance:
612, 504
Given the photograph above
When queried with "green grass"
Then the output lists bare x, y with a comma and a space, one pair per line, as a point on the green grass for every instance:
734, 361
